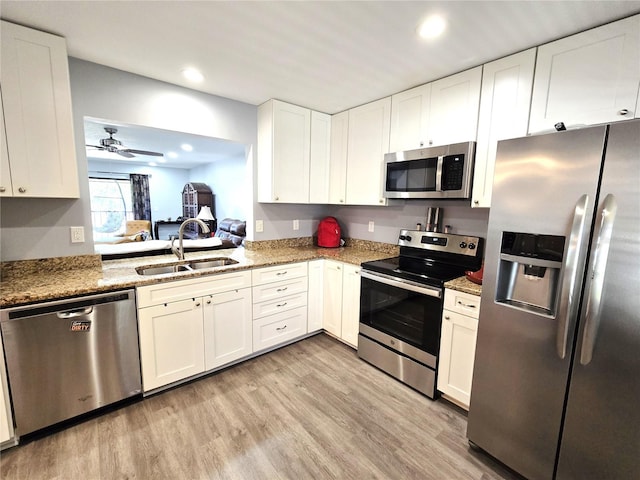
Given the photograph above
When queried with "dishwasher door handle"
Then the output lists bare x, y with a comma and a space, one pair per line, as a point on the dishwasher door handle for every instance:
81, 312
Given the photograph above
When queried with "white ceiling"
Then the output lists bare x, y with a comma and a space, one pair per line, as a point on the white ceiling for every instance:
205, 149
324, 55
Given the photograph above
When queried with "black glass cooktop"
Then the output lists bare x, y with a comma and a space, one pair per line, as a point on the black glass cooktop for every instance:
416, 269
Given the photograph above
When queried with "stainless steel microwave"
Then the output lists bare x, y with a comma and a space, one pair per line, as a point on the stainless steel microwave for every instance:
434, 172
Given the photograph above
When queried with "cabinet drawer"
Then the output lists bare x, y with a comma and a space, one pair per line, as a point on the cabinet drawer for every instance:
461, 302
275, 329
279, 304
261, 276
191, 288
271, 291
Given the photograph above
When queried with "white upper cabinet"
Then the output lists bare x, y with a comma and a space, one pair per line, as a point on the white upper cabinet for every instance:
504, 113
338, 158
36, 99
453, 114
319, 159
284, 143
367, 142
410, 119
437, 113
588, 78
6, 187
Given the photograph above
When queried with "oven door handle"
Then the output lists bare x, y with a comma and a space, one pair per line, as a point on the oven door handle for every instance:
402, 283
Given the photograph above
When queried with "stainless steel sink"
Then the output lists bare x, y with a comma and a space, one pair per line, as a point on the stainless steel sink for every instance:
211, 263
184, 266
151, 270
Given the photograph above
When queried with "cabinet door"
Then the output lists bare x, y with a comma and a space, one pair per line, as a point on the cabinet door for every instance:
338, 158
6, 189
332, 304
455, 101
37, 108
171, 342
319, 158
457, 352
227, 327
284, 135
504, 113
588, 78
367, 143
6, 421
410, 118
350, 304
315, 299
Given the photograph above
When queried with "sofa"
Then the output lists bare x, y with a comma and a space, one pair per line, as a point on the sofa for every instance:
233, 230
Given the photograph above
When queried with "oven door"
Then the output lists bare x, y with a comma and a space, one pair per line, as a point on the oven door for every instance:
407, 311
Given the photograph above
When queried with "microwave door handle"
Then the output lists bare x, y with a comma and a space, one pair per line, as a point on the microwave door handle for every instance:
596, 278
571, 283
439, 169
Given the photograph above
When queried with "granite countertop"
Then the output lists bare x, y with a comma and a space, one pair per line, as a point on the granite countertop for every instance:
463, 285
32, 281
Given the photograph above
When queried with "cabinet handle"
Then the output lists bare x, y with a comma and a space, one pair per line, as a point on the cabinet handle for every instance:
422, 144
282, 289
447, 317
282, 273
208, 302
468, 305
198, 304
476, 202
381, 200
277, 198
2, 189
338, 267
22, 190
281, 304
624, 111
281, 328
430, 142
341, 201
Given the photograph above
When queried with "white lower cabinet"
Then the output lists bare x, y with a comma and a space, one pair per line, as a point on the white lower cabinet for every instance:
227, 327
191, 326
458, 346
315, 297
279, 304
341, 303
6, 419
171, 342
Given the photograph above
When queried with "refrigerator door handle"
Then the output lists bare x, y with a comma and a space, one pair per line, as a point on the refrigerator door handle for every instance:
570, 283
606, 218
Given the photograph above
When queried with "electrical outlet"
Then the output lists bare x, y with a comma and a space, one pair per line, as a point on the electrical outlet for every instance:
296, 224
77, 234
371, 226
259, 226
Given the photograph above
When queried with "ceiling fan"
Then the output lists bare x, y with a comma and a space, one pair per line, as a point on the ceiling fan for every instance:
115, 146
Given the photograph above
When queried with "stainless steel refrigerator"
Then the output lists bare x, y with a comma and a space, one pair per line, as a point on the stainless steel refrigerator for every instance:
556, 385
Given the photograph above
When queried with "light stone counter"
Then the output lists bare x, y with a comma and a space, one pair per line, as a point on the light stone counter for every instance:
463, 285
32, 281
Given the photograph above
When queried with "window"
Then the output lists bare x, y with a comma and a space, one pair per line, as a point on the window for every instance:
110, 206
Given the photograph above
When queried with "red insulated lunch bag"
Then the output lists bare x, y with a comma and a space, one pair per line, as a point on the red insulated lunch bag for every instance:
329, 232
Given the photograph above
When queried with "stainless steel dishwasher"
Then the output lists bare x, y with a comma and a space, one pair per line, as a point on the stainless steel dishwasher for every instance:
66, 358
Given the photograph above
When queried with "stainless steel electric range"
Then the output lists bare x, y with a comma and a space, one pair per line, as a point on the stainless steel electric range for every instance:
401, 304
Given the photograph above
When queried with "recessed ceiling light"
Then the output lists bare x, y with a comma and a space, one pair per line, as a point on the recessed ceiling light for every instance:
192, 75
186, 147
172, 155
432, 27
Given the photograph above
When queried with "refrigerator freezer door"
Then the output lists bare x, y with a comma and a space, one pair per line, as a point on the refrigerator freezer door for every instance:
520, 379
601, 437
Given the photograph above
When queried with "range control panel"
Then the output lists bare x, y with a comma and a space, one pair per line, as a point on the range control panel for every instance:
441, 242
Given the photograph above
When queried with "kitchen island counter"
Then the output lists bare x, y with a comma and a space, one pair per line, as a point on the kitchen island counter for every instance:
31, 281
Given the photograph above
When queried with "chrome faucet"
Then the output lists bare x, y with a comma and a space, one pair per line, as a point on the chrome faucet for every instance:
180, 250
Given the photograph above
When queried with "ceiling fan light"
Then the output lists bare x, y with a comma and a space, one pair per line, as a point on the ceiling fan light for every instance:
192, 75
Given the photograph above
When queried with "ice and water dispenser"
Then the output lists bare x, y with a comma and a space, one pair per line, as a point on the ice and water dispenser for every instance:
529, 272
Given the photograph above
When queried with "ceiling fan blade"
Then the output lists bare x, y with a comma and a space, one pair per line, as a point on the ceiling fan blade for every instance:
142, 152
125, 154
99, 147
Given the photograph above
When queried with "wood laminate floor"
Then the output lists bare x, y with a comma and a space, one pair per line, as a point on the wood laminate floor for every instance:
312, 410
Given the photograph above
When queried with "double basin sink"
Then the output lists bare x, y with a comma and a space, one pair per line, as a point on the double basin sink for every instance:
185, 266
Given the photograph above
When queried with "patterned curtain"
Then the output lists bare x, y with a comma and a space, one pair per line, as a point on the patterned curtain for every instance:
140, 196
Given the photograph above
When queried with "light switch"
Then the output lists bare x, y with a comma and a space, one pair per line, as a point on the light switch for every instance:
259, 226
